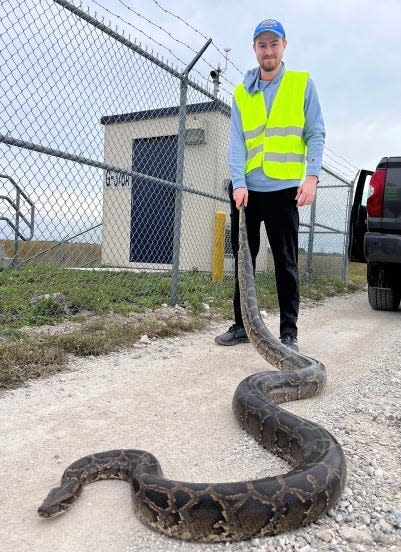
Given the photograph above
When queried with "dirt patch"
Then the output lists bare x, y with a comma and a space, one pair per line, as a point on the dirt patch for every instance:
172, 397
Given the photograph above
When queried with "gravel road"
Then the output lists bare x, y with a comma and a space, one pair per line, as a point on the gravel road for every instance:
172, 397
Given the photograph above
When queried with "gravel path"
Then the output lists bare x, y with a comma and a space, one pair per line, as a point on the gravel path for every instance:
173, 398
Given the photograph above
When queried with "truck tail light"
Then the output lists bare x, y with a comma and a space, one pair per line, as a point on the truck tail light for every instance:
374, 204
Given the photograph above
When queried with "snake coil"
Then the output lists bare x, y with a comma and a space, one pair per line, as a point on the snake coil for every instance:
238, 510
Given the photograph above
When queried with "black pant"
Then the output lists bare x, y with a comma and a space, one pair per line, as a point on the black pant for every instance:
279, 213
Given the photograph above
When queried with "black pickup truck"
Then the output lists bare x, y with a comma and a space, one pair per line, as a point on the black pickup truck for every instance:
375, 231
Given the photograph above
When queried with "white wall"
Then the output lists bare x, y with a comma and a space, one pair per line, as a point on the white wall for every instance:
203, 170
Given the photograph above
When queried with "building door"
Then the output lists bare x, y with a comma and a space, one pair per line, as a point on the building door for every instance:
152, 205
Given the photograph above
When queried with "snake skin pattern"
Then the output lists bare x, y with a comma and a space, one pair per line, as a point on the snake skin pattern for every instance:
239, 510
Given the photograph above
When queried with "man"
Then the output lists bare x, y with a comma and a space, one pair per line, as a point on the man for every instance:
277, 131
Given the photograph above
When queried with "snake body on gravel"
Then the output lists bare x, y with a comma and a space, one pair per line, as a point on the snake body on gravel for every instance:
238, 510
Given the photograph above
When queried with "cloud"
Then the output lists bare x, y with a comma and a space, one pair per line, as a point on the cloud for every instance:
375, 138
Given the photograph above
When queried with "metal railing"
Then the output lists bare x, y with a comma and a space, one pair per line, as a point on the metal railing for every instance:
19, 217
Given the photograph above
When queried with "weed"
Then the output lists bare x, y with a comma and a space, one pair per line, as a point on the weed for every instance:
112, 310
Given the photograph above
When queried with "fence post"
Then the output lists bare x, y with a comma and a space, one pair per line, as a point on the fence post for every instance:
347, 228
15, 261
182, 113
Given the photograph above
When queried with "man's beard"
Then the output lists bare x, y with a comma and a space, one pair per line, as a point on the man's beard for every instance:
269, 65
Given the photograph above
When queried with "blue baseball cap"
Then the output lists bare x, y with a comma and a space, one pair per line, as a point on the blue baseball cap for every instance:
269, 25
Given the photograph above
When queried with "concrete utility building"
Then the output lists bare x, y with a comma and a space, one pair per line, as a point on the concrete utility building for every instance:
138, 215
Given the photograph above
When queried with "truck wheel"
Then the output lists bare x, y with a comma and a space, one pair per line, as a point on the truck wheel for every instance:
386, 299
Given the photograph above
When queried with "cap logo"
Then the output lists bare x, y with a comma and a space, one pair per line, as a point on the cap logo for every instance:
268, 23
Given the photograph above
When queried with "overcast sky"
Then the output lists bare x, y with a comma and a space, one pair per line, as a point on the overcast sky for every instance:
352, 48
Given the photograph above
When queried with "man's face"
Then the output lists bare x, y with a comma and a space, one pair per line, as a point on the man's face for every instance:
269, 49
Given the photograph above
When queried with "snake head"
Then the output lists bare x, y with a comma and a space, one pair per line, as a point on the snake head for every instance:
57, 502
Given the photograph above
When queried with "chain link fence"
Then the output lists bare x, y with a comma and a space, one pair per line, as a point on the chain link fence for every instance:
111, 160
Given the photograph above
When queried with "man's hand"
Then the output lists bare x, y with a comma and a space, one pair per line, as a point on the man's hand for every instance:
307, 191
240, 196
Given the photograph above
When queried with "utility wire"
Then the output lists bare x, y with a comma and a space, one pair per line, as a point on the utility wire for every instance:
338, 164
172, 37
339, 160
199, 32
157, 26
158, 43
137, 29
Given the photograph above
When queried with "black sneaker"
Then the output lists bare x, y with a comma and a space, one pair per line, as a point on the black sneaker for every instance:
236, 334
290, 341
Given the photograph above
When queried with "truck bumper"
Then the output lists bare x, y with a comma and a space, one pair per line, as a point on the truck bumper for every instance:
382, 248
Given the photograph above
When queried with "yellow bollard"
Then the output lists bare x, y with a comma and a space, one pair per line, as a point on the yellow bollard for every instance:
218, 246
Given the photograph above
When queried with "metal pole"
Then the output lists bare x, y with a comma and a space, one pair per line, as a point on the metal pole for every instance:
15, 261
98, 164
180, 176
347, 228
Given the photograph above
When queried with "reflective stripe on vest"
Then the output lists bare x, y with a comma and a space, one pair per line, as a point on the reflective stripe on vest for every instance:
274, 141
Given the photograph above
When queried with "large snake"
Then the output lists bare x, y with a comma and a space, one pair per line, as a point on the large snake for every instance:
240, 510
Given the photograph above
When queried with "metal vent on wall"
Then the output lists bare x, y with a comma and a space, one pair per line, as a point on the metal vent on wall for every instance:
194, 136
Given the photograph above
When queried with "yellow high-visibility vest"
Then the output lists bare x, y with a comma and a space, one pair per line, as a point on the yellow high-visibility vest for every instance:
274, 140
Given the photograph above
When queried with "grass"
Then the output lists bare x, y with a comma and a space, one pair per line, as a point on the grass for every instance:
55, 253
49, 313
